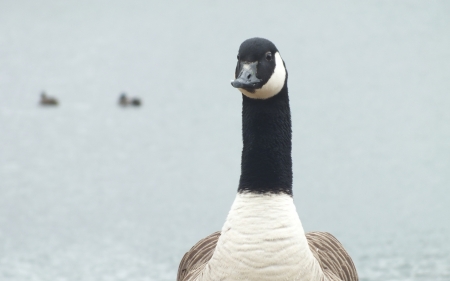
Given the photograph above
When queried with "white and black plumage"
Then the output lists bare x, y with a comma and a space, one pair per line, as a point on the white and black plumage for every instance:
263, 238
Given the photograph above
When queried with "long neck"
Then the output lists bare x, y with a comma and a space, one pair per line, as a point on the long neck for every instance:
266, 165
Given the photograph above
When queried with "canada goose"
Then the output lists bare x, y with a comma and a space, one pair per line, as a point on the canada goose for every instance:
263, 238
45, 100
125, 101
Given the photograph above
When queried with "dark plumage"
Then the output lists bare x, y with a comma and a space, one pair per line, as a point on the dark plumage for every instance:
266, 164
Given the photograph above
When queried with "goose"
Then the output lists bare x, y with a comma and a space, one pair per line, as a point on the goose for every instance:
125, 101
45, 100
263, 238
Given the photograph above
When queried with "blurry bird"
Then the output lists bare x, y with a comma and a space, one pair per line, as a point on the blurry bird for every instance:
48, 101
125, 101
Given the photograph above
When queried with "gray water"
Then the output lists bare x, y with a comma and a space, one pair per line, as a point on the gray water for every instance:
91, 191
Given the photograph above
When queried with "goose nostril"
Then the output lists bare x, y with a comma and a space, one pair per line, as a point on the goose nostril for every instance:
248, 76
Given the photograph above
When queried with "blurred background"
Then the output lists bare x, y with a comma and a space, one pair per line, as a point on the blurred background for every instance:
90, 190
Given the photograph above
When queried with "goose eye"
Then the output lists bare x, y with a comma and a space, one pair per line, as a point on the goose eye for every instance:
269, 56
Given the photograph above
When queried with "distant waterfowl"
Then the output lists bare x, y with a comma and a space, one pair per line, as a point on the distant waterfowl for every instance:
263, 238
48, 101
125, 101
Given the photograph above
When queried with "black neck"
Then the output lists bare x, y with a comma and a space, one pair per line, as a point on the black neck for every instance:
266, 157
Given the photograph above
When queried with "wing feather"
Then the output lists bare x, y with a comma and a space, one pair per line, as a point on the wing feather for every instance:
334, 260
195, 260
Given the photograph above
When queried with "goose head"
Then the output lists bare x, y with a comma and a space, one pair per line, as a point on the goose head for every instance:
260, 70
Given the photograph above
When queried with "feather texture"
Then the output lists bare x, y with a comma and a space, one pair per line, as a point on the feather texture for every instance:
194, 261
334, 260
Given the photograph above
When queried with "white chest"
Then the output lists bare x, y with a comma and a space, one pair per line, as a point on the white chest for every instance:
262, 239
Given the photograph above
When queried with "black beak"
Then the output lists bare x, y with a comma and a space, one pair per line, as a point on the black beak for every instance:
247, 77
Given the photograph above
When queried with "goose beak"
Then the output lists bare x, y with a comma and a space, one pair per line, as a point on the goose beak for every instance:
247, 77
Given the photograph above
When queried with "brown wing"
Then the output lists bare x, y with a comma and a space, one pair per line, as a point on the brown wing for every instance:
334, 260
195, 260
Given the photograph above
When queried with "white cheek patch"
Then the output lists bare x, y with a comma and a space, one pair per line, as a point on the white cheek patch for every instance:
274, 85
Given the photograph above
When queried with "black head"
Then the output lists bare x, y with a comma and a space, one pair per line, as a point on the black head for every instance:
260, 70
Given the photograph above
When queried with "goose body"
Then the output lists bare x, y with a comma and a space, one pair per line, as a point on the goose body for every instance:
263, 238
